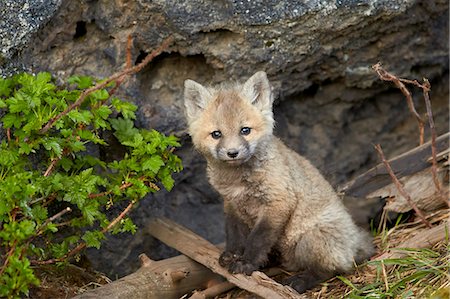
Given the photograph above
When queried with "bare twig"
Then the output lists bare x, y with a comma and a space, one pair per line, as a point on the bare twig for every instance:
384, 75
118, 218
8, 255
399, 186
8, 134
129, 45
426, 88
122, 187
118, 76
51, 167
83, 245
56, 216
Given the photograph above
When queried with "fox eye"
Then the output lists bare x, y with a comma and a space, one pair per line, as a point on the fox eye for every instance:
216, 134
245, 130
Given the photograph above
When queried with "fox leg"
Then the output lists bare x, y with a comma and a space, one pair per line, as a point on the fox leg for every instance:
258, 245
236, 232
321, 253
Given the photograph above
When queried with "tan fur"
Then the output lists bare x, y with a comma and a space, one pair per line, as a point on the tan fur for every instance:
307, 223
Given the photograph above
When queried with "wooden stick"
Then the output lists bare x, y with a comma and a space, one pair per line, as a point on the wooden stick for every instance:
207, 254
220, 288
399, 186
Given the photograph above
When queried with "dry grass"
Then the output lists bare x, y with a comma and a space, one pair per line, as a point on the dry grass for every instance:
58, 282
420, 273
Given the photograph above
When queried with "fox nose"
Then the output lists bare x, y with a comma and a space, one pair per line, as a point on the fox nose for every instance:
232, 153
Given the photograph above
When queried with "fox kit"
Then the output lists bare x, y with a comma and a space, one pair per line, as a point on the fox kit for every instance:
276, 202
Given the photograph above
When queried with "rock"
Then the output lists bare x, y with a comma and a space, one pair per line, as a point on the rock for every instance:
330, 105
21, 19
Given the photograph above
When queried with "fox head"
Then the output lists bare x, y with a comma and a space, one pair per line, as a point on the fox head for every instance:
229, 123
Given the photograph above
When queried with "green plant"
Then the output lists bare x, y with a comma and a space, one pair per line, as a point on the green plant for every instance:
50, 181
420, 274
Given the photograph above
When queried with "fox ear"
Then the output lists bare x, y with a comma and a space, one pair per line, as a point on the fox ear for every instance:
196, 97
258, 91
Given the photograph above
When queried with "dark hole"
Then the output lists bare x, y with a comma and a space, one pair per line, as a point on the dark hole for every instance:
80, 30
141, 56
311, 90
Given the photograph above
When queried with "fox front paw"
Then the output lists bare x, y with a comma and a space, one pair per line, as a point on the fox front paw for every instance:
241, 267
227, 257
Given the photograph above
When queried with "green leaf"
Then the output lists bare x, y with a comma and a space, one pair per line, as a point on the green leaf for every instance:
66, 163
8, 157
52, 227
154, 163
17, 103
54, 146
124, 129
11, 120
81, 178
39, 212
77, 146
90, 212
43, 77
82, 82
127, 109
103, 112
80, 117
93, 239
100, 95
137, 141
5, 87
128, 226
25, 148
167, 181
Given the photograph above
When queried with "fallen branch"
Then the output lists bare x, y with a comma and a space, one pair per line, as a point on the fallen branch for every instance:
154, 280
207, 254
399, 186
406, 164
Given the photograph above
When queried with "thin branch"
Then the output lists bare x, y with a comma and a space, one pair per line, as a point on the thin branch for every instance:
129, 45
104, 230
384, 75
399, 186
426, 88
53, 218
8, 255
118, 218
81, 246
118, 76
123, 186
51, 167
8, 134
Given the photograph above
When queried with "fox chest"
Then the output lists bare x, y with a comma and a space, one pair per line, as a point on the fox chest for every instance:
243, 201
